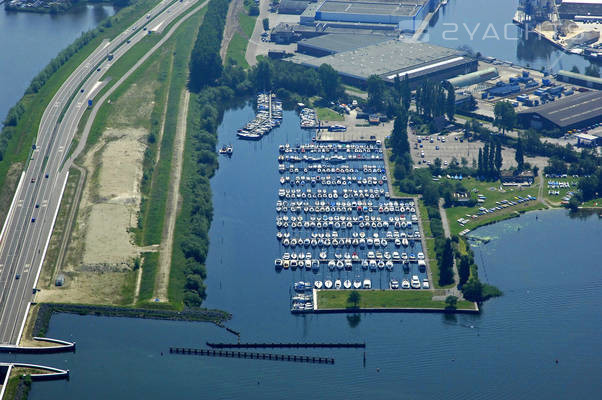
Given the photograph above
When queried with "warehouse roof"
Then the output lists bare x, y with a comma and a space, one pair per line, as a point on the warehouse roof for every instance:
380, 7
571, 110
337, 43
583, 77
388, 59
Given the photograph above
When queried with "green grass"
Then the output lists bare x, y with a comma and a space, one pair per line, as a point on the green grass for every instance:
337, 299
354, 89
154, 217
491, 190
562, 192
327, 114
25, 132
593, 203
237, 49
128, 288
247, 23
149, 273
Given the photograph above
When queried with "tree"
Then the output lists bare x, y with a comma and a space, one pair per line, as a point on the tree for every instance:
406, 93
575, 69
592, 70
486, 159
451, 302
480, 162
263, 75
519, 156
505, 116
463, 269
473, 290
450, 102
498, 157
330, 82
376, 91
266, 24
446, 274
354, 298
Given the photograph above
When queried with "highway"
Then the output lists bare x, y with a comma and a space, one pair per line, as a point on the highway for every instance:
29, 223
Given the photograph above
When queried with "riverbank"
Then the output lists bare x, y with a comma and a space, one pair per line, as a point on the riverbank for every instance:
57, 6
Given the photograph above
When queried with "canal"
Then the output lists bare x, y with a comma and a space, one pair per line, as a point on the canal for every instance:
543, 261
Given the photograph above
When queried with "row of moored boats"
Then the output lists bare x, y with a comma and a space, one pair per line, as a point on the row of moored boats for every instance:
269, 116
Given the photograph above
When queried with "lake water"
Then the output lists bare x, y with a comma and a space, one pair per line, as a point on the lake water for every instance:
28, 41
486, 26
545, 262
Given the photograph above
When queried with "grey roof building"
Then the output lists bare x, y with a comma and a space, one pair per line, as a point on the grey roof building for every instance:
416, 61
337, 43
576, 111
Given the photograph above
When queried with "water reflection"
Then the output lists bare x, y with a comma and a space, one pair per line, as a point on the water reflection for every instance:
354, 320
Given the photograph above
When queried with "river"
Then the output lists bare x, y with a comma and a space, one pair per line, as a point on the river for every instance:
28, 41
546, 262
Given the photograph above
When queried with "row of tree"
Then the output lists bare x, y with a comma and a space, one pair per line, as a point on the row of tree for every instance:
205, 61
489, 162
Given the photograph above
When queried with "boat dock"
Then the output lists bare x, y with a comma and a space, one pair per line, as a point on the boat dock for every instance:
287, 345
269, 116
253, 356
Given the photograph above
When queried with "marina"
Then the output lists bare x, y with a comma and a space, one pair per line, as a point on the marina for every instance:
338, 227
269, 116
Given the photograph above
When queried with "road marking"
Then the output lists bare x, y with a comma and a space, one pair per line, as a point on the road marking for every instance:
57, 103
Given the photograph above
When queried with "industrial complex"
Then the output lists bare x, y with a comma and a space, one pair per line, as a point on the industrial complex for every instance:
390, 59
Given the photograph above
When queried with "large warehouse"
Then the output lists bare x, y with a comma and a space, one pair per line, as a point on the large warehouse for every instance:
333, 43
416, 61
576, 111
572, 9
407, 15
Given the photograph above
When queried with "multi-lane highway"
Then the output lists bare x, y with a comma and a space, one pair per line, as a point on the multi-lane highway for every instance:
28, 226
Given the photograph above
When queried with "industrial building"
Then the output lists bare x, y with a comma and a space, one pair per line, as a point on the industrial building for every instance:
474, 78
404, 15
580, 9
579, 79
589, 139
576, 111
394, 58
329, 44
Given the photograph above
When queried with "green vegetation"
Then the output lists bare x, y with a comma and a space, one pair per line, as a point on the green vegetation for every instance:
18, 386
21, 124
149, 273
327, 114
338, 299
494, 192
237, 49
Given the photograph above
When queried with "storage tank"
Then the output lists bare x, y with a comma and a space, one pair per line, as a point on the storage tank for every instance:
474, 77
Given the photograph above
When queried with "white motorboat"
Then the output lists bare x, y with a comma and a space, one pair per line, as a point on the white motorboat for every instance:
367, 284
405, 284
357, 284
347, 284
328, 284
337, 284
394, 284
318, 284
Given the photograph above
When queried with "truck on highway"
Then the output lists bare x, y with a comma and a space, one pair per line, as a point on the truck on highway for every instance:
110, 56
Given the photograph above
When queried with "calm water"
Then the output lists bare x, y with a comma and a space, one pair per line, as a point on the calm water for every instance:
545, 262
486, 26
28, 41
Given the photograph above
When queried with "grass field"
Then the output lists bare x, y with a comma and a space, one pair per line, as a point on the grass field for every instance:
149, 273
236, 50
327, 114
494, 192
337, 299
595, 203
562, 192
247, 23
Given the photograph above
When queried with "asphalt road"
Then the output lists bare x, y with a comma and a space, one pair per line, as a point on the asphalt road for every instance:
26, 232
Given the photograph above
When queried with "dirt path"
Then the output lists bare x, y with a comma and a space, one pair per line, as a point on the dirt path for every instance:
173, 200
232, 26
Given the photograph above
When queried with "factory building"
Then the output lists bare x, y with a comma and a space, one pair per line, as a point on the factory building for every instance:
579, 79
405, 15
394, 58
580, 9
576, 111
337, 43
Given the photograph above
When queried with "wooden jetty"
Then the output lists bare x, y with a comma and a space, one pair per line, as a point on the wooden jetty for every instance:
285, 345
255, 356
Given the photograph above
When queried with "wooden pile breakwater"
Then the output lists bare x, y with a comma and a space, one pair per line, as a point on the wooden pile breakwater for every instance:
255, 356
285, 345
